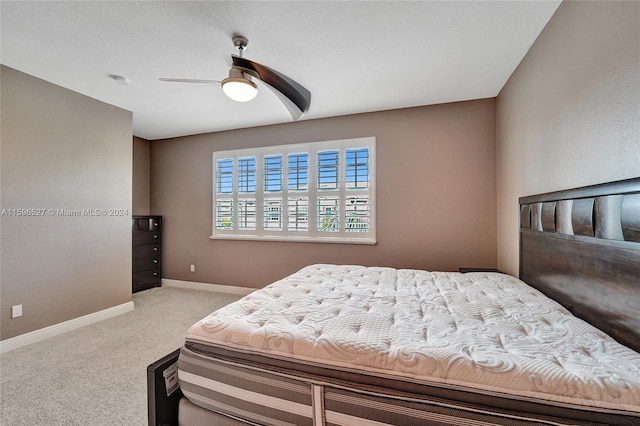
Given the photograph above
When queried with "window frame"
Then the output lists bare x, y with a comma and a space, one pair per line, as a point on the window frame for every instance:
312, 194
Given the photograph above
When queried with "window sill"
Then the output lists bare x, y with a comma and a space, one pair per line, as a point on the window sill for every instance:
324, 240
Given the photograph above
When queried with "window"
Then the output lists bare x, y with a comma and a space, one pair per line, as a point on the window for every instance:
321, 191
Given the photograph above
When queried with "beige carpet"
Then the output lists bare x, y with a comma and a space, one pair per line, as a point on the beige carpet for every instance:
96, 375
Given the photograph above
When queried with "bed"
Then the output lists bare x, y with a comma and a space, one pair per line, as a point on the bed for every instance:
355, 345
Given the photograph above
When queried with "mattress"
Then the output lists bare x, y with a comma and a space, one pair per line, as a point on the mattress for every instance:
335, 339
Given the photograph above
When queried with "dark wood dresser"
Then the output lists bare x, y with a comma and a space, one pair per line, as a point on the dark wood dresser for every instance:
147, 252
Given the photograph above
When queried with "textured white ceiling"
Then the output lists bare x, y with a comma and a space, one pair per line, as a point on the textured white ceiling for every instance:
353, 56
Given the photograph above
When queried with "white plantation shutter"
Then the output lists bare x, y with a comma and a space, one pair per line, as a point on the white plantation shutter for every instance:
357, 168
328, 170
223, 207
357, 214
328, 214
273, 173
357, 203
298, 214
247, 175
298, 171
224, 214
317, 192
298, 188
272, 214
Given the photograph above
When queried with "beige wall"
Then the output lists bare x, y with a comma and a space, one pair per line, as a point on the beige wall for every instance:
569, 116
62, 150
141, 176
435, 171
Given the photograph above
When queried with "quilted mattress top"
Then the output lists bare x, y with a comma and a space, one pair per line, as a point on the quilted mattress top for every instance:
488, 332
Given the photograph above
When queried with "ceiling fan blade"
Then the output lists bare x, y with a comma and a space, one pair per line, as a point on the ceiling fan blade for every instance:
294, 96
189, 80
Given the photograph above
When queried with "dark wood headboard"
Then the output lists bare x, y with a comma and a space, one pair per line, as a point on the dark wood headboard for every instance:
581, 247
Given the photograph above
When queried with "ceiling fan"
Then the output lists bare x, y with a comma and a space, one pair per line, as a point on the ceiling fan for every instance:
239, 87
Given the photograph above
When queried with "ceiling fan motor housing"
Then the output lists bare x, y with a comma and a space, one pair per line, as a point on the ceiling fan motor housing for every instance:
238, 86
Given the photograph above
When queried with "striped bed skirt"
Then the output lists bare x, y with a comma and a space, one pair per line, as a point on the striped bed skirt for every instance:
233, 390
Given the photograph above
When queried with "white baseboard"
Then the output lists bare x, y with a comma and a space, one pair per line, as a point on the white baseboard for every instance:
192, 285
57, 329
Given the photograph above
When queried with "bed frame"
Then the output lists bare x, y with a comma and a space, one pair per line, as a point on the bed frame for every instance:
162, 400
580, 247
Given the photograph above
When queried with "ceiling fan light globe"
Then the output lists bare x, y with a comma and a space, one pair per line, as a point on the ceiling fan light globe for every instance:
239, 89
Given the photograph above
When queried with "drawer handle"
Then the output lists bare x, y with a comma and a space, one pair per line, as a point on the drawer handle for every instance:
155, 249
155, 236
155, 274
155, 261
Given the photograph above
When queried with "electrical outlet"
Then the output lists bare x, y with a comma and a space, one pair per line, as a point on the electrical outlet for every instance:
193, 268
16, 311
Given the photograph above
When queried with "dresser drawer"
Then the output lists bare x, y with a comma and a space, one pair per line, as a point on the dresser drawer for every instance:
144, 263
147, 250
147, 278
146, 224
146, 237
